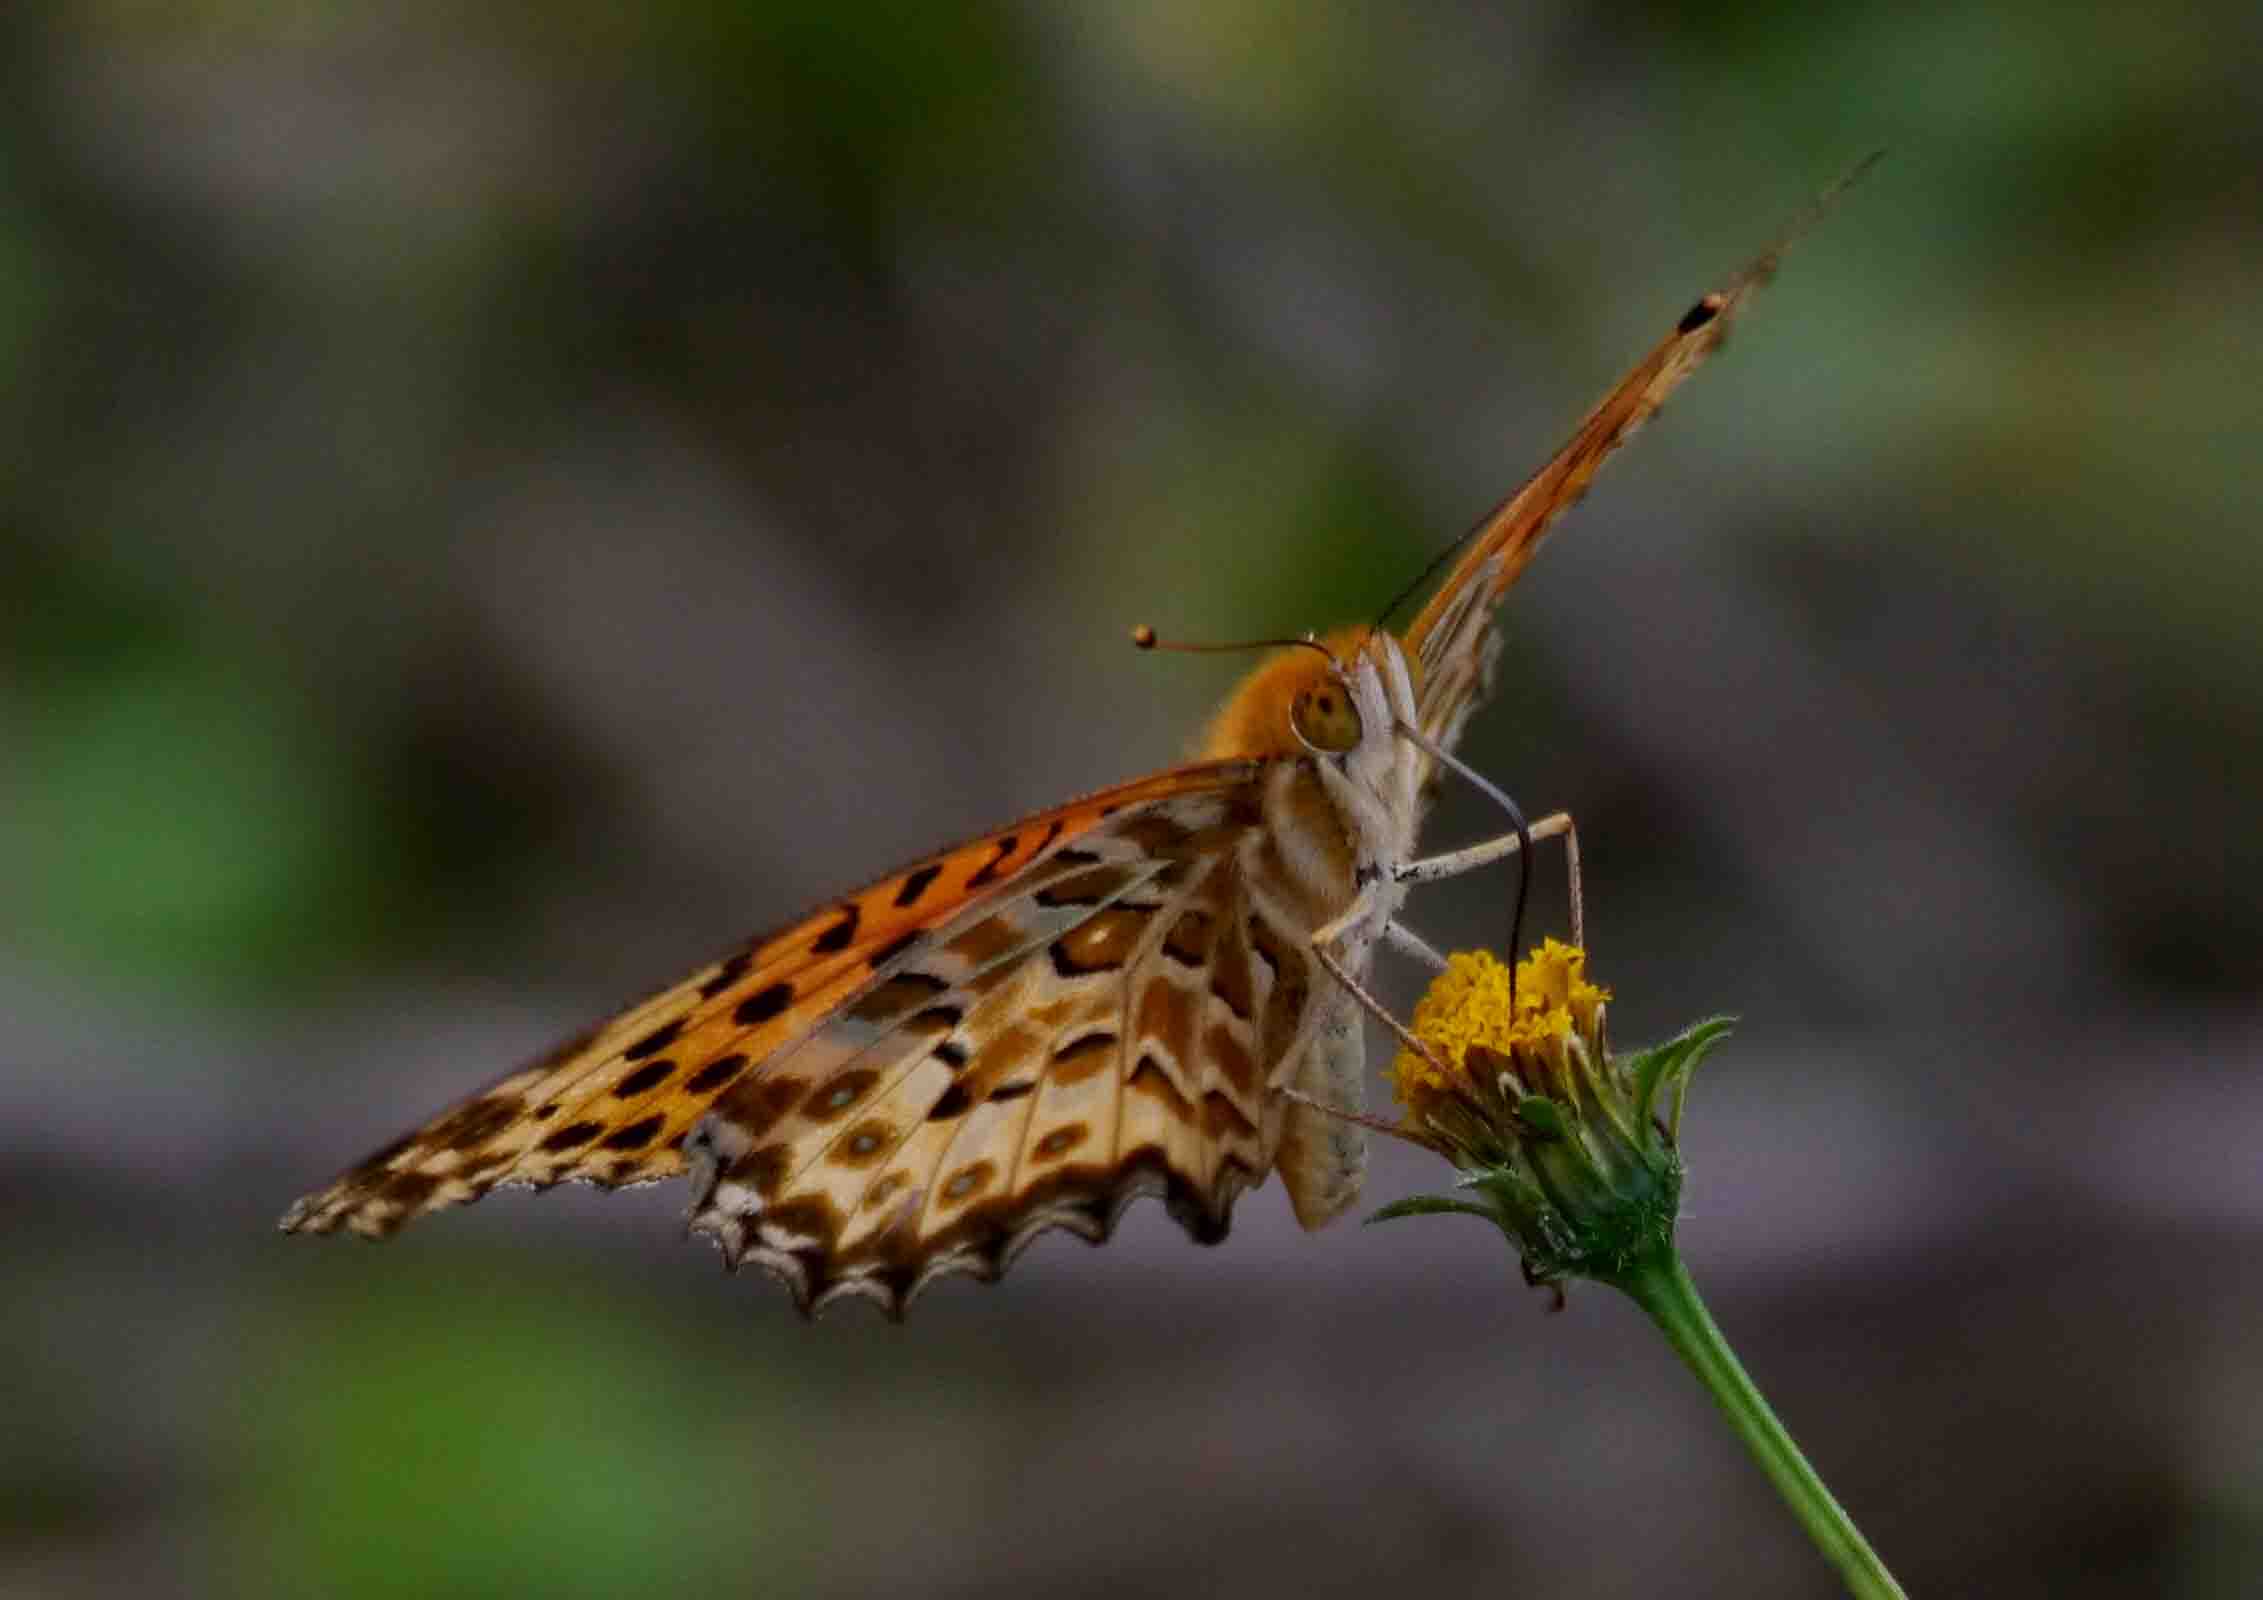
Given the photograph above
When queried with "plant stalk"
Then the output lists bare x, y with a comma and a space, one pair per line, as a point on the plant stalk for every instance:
1662, 1287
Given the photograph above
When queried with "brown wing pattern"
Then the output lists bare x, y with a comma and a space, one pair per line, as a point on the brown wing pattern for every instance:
613, 1105
1110, 1040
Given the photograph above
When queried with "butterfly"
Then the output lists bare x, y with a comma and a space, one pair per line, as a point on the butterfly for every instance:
1150, 990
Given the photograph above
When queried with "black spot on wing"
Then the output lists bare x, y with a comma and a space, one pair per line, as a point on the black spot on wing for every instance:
656, 1041
730, 972
1699, 314
916, 884
715, 1074
954, 1103
648, 1077
636, 1135
764, 1004
836, 938
987, 873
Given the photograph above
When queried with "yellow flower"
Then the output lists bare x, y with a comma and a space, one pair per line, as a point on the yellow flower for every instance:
1569, 1150
1525, 1026
1553, 979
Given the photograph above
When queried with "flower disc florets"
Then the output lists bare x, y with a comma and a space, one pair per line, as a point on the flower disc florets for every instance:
1525, 1027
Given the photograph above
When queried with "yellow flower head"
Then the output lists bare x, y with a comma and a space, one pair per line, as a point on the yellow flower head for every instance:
1470, 1005
1567, 1148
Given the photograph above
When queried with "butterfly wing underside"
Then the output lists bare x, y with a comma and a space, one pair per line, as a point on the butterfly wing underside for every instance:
1027, 1031
1455, 636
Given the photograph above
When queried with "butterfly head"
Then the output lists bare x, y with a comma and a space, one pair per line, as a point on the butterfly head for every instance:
1329, 696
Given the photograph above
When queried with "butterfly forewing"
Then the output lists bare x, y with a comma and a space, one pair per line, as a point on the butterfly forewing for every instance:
613, 1105
1454, 635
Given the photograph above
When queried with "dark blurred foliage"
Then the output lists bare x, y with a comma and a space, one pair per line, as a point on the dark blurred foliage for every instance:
495, 507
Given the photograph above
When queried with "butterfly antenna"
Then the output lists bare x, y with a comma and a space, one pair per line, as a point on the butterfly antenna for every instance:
1763, 266
1144, 638
1822, 203
1437, 562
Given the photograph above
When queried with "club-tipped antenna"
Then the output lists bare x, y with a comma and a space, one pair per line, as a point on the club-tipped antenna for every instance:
1144, 637
1437, 563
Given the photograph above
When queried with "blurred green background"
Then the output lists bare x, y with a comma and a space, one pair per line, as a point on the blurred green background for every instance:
495, 507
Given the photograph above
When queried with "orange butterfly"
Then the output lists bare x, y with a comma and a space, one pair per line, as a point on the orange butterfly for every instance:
1150, 990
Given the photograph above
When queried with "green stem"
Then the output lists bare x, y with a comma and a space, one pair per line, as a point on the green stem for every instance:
1662, 1287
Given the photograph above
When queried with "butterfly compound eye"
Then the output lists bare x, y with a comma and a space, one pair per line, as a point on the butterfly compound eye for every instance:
1325, 718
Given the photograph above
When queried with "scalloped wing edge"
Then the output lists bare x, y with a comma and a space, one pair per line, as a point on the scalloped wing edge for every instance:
801, 1267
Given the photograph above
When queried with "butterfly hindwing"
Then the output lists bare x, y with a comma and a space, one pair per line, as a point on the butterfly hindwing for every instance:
1108, 1041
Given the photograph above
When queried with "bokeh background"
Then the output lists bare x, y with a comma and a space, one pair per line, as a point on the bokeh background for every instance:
495, 506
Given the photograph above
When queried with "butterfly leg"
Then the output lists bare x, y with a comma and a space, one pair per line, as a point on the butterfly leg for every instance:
1453, 863
1409, 943
1431, 869
1337, 970
1364, 1119
1331, 1108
